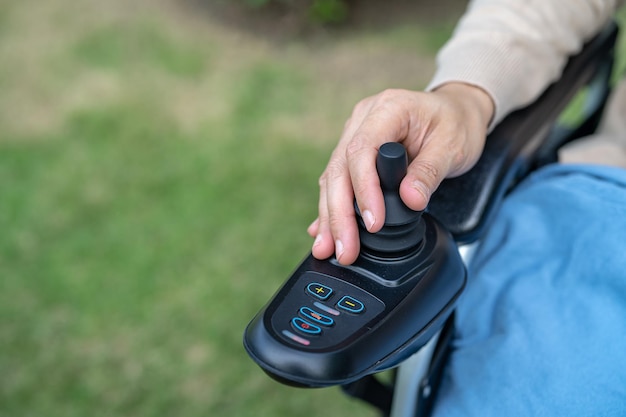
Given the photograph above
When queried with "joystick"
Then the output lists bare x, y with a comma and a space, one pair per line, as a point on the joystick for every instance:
404, 228
332, 324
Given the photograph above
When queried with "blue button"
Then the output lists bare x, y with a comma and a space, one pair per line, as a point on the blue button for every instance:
319, 291
316, 317
305, 326
350, 304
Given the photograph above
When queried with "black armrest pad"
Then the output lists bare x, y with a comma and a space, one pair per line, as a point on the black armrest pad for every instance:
465, 204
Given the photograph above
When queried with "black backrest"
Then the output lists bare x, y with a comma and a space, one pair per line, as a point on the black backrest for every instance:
524, 140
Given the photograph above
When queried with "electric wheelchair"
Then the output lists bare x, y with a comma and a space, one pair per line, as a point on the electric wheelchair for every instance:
393, 309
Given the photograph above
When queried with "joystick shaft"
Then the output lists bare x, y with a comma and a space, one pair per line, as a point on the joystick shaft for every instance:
403, 229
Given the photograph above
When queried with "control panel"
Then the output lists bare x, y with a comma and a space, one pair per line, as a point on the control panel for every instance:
322, 312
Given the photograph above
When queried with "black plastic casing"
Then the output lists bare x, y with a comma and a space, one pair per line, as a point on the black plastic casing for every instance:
414, 294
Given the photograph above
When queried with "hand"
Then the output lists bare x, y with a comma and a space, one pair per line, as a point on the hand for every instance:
444, 132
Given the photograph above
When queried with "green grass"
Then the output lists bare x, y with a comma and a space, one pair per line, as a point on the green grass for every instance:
120, 46
620, 59
150, 204
132, 257
576, 110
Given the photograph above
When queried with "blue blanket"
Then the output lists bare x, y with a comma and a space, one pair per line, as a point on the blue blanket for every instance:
541, 328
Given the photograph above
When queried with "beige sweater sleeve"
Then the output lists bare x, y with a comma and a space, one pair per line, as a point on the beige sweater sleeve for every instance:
514, 49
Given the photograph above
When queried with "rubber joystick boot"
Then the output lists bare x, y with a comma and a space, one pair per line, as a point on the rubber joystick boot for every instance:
403, 230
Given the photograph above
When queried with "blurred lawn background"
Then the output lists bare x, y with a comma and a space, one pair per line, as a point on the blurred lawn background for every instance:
158, 169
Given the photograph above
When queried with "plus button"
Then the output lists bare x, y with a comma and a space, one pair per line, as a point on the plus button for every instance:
319, 291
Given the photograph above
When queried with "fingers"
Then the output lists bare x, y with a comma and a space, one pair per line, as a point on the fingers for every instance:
341, 214
387, 120
336, 229
443, 132
351, 174
361, 156
313, 228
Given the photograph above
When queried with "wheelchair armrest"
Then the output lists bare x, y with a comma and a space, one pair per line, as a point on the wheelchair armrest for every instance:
520, 142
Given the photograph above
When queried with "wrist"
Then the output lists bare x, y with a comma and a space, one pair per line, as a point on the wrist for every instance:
473, 98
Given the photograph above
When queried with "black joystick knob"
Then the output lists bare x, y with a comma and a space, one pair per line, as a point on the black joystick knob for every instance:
403, 230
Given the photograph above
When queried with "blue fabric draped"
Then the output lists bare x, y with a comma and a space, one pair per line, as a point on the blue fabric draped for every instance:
541, 327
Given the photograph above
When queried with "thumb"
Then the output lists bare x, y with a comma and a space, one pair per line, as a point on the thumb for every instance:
424, 174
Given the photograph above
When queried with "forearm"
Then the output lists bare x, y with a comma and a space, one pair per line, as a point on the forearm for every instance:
513, 49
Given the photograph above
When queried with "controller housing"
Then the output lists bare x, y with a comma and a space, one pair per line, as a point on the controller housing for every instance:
332, 324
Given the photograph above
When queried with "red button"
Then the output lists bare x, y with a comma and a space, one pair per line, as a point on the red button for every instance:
305, 326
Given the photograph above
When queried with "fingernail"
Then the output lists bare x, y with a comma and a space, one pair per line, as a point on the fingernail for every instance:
318, 240
368, 219
421, 188
338, 248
